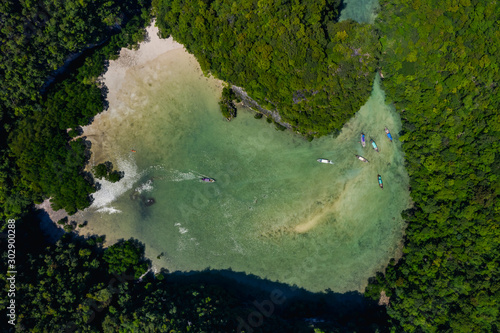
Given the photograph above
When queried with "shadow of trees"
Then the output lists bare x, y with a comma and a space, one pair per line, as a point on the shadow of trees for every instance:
262, 304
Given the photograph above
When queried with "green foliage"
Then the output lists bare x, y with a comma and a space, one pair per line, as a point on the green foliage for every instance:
441, 69
72, 133
73, 286
38, 160
291, 56
114, 176
226, 103
52, 284
68, 228
105, 170
126, 257
100, 171
37, 37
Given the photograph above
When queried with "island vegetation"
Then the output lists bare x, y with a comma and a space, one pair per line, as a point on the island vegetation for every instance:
38, 157
440, 69
105, 170
226, 103
292, 56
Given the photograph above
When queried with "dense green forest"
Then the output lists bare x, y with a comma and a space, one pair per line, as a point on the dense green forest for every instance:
37, 37
37, 158
441, 69
288, 55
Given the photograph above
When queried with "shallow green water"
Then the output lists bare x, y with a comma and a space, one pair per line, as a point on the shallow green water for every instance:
274, 211
362, 11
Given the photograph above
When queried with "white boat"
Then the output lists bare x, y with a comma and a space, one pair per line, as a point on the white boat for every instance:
322, 160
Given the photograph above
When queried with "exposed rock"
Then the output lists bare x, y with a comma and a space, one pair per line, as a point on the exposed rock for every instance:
252, 104
150, 202
384, 300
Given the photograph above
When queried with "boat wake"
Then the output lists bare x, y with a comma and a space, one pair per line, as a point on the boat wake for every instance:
145, 187
179, 176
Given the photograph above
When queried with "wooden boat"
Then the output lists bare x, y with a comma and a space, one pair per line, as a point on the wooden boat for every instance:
374, 145
363, 142
362, 159
133, 151
388, 134
208, 180
322, 160
380, 182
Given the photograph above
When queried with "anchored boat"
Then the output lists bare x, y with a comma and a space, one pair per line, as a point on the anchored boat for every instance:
363, 142
322, 160
362, 159
380, 182
374, 145
208, 180
388, 134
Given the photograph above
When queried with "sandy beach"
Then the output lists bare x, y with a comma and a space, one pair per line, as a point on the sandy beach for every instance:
113, 79
149, 49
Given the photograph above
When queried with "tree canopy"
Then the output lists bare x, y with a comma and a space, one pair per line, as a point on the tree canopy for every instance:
441, 71
39, 158
288, 55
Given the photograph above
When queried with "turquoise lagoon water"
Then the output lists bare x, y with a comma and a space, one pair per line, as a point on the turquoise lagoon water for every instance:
363, 11
274, 211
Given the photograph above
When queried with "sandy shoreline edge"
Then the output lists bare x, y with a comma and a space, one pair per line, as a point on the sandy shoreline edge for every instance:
148, 50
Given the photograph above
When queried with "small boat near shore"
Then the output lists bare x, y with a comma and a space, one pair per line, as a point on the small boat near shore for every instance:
374, 145
322, 160
362, 159
363, 142
388, 134
380, 182
208, 180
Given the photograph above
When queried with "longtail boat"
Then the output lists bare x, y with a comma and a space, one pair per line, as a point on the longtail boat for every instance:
388, 134
374, 145
208, 180
363, 142
322, 160
361, 158
380, 182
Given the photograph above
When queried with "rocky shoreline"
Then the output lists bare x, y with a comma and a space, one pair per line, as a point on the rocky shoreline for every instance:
250, 103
